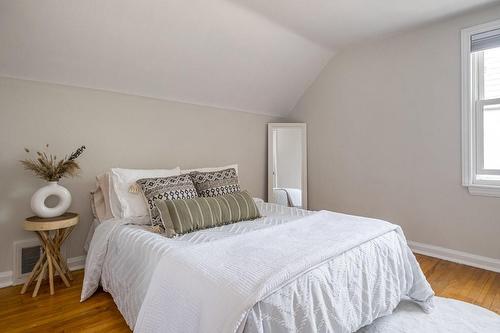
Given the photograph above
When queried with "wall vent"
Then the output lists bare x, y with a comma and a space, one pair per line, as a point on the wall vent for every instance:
26, 254
29, 257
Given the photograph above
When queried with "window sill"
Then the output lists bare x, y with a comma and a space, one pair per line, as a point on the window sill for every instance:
484, 190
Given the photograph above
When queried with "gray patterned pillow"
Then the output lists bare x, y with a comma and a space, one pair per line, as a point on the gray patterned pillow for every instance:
165, 188
215, 183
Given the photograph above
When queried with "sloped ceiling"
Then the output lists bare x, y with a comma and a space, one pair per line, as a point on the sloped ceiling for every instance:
335, 23
250, 55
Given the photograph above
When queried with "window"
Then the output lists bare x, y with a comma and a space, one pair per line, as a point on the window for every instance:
481, 109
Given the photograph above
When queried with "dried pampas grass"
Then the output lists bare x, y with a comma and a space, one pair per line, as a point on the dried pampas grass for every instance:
48, 167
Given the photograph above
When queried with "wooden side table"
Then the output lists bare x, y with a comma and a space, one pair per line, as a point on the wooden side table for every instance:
51, 258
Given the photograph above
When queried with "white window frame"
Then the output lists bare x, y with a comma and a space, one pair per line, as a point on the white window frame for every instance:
478, 180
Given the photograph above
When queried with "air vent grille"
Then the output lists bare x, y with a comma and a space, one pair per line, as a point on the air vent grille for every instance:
29, 257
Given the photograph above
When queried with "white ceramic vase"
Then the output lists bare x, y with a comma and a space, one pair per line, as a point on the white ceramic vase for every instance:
38, 200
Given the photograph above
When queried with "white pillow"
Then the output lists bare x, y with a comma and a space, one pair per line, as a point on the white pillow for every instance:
133, 204
106, 208
112, 206
98, 205
234, 166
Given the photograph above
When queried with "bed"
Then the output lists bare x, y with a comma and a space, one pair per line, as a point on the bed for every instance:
181, 284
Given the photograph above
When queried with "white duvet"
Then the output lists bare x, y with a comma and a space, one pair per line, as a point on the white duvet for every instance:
340, 286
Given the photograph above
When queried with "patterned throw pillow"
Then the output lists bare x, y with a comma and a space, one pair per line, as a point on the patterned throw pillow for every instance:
215, 183
187, 215
165, 188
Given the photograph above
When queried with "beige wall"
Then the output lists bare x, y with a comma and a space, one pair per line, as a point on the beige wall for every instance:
119, 131
384, 138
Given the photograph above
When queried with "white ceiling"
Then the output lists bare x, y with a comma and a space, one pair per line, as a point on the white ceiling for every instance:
335, 23
249, 55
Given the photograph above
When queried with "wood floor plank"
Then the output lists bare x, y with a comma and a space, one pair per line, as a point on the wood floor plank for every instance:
63, 311
495, 306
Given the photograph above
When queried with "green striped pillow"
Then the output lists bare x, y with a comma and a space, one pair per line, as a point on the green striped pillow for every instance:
187, 215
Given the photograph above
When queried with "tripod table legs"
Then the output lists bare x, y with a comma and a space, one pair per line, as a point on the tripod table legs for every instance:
50, 260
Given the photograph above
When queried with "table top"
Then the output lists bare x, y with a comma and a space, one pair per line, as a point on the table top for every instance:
35, 223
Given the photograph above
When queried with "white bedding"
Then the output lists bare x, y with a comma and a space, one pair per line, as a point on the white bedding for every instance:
342, 294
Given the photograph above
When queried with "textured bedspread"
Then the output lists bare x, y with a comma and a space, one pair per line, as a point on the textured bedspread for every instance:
340, 295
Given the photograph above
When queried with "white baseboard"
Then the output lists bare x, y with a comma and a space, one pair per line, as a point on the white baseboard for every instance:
7, 278
459, 257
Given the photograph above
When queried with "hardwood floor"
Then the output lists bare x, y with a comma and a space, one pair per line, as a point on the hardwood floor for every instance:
468, 284
63, 312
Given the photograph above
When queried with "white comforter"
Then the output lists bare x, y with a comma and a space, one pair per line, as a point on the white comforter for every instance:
352, 285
